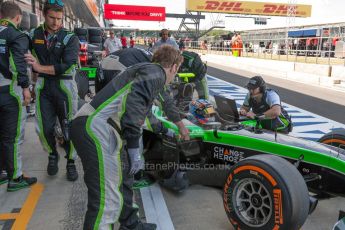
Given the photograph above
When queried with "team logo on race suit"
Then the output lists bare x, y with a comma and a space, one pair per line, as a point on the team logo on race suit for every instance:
2, 45
2, 50
227, 154
39, 41
58, 45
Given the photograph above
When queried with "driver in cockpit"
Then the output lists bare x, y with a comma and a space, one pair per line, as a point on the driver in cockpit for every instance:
201, 112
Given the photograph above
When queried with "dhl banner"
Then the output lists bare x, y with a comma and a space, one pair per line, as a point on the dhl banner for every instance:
242, 7
130, 12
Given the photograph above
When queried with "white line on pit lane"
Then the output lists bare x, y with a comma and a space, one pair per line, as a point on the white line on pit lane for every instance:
155, 208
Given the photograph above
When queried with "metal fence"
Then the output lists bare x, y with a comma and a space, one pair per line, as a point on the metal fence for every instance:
318, 50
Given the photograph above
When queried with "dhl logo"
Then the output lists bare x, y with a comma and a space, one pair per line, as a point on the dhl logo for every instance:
241, 7
226, 6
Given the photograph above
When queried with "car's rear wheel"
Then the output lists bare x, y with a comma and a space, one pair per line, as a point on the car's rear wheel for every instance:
99, 83
266, 192
82, 81
334, 138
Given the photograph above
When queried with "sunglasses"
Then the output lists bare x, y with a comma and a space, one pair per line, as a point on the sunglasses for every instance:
56, 2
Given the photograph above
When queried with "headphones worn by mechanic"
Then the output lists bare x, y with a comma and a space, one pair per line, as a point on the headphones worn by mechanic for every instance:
163, 30
257, 82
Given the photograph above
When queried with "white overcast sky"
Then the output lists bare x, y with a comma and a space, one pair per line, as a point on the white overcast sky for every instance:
323, 11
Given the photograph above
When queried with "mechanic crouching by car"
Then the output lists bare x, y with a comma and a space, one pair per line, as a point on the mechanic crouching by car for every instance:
265, 104
108, 128
56, 51
192, 63
14, 95
118, 62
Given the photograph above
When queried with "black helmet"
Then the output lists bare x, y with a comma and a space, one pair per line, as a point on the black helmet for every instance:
256, 82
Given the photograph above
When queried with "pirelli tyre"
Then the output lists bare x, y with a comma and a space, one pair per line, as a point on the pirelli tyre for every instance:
265, 192
82, 38
95, 39
80, 31
95, 32
334, 138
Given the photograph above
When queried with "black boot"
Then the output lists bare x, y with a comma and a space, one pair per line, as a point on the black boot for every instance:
53, 168
3, 178
72, 173
20, 183
139, 226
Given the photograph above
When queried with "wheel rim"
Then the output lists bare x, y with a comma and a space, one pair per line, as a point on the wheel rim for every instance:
335, 142
253, 202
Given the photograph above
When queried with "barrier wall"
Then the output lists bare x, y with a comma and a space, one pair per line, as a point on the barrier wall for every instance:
301, 72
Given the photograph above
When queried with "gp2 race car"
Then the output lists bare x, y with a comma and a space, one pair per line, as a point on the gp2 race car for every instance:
266, 176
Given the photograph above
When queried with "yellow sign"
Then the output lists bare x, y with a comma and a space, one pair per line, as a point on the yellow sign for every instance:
39, 41
242, 7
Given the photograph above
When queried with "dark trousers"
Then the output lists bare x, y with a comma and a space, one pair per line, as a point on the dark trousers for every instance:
11, 131
128, 215
53, 102
89, 154
87, 151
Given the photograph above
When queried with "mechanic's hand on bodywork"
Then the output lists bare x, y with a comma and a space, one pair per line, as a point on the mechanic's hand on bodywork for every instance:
136, 160
26, 96
184, 132
251, 115
243, 112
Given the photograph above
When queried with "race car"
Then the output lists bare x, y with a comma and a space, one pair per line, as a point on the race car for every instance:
266, 176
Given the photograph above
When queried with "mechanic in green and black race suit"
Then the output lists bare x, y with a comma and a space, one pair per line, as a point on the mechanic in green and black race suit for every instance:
127, 58
265, 103
192, 63
14, 93
109, 128
55, 56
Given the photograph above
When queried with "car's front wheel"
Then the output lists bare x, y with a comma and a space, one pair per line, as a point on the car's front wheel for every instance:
266, 192
334, 138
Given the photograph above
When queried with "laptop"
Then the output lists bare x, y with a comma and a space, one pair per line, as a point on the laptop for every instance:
227, 109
